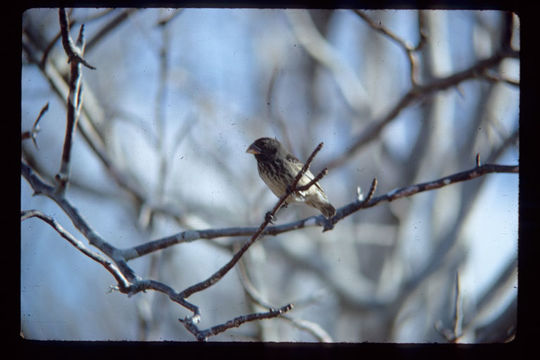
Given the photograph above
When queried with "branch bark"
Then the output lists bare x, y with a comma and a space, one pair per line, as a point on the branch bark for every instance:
74, 101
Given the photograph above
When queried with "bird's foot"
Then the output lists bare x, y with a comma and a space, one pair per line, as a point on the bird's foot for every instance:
268, 217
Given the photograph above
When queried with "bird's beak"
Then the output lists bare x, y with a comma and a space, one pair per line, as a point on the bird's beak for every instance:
253, 149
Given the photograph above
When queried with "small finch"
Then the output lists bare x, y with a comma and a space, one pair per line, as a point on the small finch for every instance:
278, 169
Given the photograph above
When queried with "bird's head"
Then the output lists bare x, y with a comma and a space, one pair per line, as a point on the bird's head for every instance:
264, 147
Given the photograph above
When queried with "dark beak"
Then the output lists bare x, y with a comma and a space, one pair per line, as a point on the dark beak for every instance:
253, 149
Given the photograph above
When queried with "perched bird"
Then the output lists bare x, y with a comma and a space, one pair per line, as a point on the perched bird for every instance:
278, 169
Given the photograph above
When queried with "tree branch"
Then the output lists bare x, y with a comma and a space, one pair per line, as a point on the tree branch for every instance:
203, 335
73, 52
74, 100
318, 220
110, 267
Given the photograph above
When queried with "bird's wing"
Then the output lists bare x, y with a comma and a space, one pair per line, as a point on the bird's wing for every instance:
308, 174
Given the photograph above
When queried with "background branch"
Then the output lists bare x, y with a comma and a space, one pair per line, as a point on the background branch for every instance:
372, 132
32, 134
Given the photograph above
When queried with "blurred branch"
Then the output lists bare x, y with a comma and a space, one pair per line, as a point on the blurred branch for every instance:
275, 116
318, 47
32, 134
374, 129
165, 21
409, 49
494, 292
456, 332
109, 26
313, 328
497, 78
501, 329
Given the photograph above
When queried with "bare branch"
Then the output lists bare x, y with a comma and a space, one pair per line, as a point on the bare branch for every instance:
319, 220
427, 186
143, 285
498, 78
73, 52
132, 283
203, 335
76, 218
112, 268
87, 128
74, 100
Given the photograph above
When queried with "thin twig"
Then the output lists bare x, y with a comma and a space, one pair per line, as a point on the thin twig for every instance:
76, 218
73, 52
32, 134
203, 335
109, 266
319, 176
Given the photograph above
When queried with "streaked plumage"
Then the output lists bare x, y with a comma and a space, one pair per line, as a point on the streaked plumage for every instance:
278, 168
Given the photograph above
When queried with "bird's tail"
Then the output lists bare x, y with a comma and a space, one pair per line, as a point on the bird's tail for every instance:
324, 207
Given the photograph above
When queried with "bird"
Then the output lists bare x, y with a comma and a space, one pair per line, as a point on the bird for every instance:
278, 169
